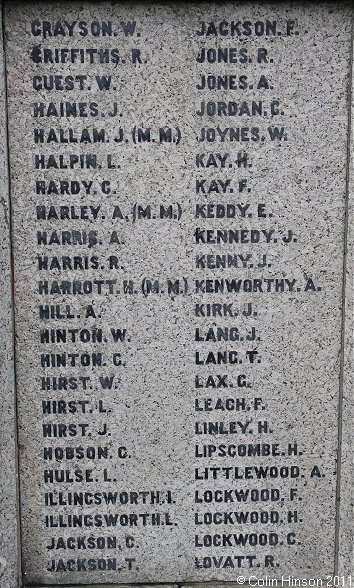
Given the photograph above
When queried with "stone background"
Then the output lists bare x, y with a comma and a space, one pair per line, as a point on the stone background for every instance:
8, 530
9, 563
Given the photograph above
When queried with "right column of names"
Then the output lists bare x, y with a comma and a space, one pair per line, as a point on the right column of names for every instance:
257, 462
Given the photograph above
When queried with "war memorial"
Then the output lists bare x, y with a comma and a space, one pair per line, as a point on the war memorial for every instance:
176, 294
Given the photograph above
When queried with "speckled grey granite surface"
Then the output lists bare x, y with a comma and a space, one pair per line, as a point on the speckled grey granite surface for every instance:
236, 187
8, 499
345, 488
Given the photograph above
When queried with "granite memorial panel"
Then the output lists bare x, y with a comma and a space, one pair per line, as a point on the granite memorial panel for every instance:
179, 184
